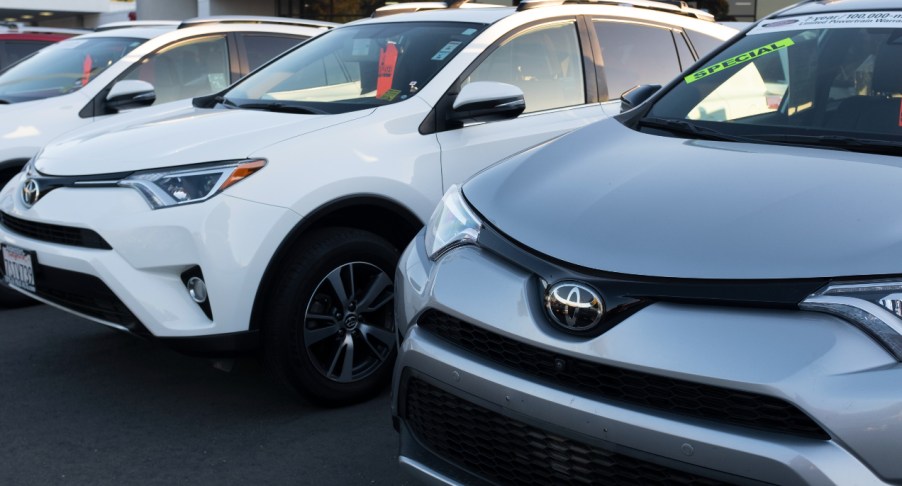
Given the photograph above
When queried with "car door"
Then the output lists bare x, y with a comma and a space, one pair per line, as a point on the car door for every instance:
190, 67
634, 53
256, 48
551, 62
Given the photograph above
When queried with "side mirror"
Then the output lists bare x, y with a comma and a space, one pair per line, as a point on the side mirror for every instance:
131, 93
636, 95
485, 101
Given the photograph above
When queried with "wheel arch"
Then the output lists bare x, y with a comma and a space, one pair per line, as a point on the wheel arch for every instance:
379, 215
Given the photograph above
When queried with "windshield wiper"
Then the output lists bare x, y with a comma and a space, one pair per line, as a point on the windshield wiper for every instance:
684, 127
225, 102
841, 142
280, 107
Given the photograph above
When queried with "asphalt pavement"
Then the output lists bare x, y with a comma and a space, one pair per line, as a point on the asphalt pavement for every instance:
84, 404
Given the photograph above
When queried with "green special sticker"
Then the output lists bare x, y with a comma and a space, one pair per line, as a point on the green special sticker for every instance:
737, 60
390, 95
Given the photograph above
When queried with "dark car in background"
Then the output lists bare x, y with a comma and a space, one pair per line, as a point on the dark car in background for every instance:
18, 42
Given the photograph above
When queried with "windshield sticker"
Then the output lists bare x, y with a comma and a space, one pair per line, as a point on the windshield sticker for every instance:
468, 32
360, 48
892, 20
445, 51
740, 59
69, 44
390, 95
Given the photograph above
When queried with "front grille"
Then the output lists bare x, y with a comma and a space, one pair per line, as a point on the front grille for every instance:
608, 382
53, 233
85, 294
507, 451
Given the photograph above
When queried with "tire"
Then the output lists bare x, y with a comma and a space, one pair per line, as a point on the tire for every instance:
329, 330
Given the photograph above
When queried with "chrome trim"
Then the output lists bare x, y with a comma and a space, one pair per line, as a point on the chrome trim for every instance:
424, 473
877, 322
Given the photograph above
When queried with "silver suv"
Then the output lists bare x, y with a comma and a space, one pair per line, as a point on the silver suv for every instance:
704, 290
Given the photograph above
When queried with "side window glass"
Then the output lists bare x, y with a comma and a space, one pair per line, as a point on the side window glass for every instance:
545, 62
15, 51
195, 67
260, 48
703, 43
685, 53
634, 54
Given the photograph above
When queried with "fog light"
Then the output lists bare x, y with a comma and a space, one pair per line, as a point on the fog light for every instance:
197, 289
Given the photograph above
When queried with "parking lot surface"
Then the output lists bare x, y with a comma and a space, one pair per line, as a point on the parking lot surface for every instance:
83, 404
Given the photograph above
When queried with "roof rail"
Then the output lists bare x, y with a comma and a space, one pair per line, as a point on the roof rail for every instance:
250, 19
407, 7
678, 7
136, 23
20, 27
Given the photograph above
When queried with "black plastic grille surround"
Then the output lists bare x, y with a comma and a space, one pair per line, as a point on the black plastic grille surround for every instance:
507, 451
53, 233
608, 382
85, 294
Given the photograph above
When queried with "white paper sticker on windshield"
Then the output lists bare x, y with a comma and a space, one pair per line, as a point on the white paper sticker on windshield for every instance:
889, 20
468, 32
69, 44
361, 47
446, 51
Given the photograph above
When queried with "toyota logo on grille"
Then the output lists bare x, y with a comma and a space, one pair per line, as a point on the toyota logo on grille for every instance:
31, 192
574, 306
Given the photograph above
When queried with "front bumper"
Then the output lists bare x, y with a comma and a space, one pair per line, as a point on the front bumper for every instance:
137, 285
818, 365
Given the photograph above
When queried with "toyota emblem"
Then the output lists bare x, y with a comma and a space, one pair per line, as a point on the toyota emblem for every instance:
31, 192
574, 306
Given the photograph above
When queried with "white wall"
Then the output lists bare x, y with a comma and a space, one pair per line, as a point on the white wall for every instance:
242, 7
767, 7
166, 9
182, 9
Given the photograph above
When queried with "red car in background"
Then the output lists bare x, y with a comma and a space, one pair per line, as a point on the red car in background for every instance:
18, 42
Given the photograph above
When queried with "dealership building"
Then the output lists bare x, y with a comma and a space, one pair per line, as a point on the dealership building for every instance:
90, 13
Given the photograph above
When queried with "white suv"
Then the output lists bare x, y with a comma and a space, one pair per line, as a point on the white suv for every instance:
72, 83
271, 214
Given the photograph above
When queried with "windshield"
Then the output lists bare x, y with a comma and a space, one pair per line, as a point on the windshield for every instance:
355, 67
809, 78
62, 68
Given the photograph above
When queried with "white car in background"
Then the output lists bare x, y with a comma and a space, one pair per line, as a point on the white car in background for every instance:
74, 82
86, 78
271, 214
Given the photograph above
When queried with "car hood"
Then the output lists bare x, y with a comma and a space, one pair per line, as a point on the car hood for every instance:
613, 199
175, 134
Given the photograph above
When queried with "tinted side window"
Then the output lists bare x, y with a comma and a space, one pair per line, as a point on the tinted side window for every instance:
545, 62
634, 54
703, 43
261, 48
187, 69
685, 52
16, 50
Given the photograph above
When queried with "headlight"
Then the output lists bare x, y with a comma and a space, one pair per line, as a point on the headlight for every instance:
28, 168
874, 307
452, 224
177, 186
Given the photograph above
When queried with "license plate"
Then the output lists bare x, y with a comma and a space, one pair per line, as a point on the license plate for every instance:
18, 268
